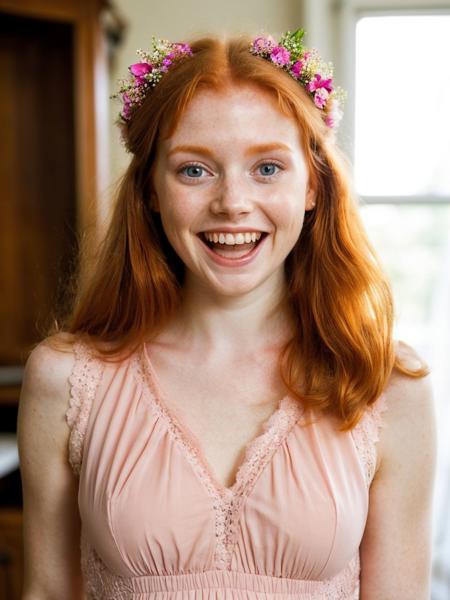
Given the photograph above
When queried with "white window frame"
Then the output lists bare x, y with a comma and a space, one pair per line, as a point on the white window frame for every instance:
340, 27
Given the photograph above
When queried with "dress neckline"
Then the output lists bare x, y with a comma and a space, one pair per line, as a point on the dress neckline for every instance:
257, 452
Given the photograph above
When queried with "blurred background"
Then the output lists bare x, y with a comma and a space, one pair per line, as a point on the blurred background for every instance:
61, 159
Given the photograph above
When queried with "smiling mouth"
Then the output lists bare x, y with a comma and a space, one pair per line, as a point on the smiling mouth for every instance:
231, 250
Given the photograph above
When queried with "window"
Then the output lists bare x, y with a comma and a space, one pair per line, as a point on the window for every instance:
402, 160
397, 132
402, 120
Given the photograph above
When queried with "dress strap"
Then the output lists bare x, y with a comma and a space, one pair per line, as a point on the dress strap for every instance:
366, 435
83, 381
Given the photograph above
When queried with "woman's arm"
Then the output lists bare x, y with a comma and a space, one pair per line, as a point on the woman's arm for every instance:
396, 547
50, 511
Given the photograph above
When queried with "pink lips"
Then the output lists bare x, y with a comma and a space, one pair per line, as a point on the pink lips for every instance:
234, 262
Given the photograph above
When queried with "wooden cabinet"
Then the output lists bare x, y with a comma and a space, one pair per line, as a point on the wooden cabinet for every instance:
11, 553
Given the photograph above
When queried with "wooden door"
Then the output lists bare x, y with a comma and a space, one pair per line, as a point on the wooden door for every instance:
53, 149
53, 119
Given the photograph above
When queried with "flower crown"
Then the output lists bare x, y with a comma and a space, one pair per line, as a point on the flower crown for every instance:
305, 66
289, 54
148, 72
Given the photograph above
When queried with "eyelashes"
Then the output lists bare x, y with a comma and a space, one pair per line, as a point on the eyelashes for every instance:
195, 169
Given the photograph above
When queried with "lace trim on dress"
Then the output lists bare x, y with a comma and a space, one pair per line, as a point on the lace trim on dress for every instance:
83, 380
99, 582
227, 502
344, 586
258, 453
366, 436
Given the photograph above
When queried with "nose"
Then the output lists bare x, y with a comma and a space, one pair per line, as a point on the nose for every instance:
232, 198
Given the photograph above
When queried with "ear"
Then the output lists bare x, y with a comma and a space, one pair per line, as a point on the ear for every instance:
310, 200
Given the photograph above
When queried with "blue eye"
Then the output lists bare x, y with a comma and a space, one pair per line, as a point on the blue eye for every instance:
268, 169
193, 171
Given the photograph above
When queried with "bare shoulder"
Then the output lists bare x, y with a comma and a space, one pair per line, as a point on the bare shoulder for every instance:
51, 521
395, 551
408, 435
45, 392
408, 398
47, 370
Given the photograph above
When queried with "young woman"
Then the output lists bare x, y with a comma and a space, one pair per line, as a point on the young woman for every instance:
225, 413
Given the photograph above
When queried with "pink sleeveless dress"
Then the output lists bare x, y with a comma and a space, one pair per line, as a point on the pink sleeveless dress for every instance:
156, 525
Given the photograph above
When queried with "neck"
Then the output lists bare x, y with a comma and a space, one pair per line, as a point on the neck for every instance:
218, 324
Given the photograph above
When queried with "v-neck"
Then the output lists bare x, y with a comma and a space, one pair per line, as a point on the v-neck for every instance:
257, 452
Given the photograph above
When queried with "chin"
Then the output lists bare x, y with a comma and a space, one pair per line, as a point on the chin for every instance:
235, 285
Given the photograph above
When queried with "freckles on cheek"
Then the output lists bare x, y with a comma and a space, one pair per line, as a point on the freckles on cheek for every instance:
285, 210
294, 216
177, 214
183, 212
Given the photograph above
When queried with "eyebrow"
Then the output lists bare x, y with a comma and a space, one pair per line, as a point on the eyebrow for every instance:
256, 149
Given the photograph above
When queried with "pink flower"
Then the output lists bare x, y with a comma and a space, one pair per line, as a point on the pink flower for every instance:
297, 68
280, 55
126, 106
263, 44
321, 97
183, 48
335, 114
318, 83
140, 69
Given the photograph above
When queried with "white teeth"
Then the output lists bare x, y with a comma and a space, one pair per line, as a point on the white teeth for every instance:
231, 239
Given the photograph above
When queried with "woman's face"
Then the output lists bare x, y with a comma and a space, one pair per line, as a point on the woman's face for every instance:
233, 170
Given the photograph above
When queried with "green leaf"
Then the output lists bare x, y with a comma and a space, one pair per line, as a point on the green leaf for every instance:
297, 36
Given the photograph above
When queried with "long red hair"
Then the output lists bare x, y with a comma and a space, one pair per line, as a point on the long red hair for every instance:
342, 347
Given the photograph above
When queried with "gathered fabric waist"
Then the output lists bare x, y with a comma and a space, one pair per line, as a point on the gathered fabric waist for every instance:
345, 585
221, 579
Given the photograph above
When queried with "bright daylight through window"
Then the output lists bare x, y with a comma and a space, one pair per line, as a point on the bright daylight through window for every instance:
402, 148
402, 174
402, 124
